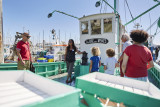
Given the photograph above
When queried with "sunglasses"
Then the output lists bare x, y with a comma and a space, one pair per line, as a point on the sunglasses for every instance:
28, 37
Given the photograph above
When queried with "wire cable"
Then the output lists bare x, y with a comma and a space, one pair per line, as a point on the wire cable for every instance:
129, 10
105, 7
101, 6
150, 22
156, 30
125, 14
152, 25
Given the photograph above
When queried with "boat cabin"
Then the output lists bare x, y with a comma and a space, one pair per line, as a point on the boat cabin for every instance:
99, 30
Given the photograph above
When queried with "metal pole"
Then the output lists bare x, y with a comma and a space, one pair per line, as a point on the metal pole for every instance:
115, 8
142, 14
50, 14
111, 6
65, 38
118, 29
43, 41
117, 16
1, 35
59, 36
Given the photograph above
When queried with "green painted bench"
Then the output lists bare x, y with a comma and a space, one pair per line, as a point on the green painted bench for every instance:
118, 89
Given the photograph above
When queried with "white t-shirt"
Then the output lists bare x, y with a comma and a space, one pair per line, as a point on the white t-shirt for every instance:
110, 63
127, 43
158, 58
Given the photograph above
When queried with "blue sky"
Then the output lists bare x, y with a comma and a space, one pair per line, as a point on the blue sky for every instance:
19, 15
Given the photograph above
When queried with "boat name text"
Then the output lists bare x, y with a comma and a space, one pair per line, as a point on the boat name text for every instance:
96, 40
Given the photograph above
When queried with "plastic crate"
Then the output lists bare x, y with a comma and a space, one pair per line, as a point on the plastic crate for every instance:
41, 60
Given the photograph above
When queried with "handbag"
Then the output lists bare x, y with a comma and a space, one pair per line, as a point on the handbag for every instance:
32, 68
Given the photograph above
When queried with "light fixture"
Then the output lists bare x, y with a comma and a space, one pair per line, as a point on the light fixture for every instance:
49, 15
98, 3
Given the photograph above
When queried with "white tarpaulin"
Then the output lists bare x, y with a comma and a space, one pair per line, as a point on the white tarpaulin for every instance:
156, 40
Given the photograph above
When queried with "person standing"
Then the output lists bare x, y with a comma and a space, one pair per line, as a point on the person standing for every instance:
137, 56
158, 56
110, 62
95, 60
23, 53
70, 51
126, 42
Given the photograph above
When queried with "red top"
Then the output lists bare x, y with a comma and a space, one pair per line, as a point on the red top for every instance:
137, 62
24, 50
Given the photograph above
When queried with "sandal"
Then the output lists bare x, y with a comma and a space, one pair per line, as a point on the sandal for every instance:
70, 81
67, 81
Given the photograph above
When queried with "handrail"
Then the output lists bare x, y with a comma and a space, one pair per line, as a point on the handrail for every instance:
155, 74
157, 67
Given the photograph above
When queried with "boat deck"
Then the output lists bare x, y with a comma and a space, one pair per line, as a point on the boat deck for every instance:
19, 94
62, 79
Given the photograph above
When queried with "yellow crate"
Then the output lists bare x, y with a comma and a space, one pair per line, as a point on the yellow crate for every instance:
50, 60
41, 58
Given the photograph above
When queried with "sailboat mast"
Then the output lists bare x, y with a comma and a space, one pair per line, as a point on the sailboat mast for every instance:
1, 35
43, 41
59, 37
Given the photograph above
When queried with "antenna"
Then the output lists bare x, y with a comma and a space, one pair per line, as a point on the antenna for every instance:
137, 25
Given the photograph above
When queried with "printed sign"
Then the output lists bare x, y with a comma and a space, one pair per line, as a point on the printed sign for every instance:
96, 40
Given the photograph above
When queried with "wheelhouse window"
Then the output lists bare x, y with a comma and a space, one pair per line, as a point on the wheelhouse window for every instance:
96, 26
107, 25
84, 27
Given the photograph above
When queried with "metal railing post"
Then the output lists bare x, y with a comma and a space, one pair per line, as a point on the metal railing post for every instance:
1, 35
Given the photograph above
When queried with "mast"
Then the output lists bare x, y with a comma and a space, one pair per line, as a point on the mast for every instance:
43, 41
1, 35
116, 2
59, 37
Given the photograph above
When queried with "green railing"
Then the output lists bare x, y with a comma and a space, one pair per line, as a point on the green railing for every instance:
84, 69
43, 69
54, 68
155, 74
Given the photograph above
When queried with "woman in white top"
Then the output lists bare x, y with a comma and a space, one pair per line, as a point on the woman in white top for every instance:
110, 62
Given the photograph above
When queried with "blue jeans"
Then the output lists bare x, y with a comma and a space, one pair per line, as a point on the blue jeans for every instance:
140, 78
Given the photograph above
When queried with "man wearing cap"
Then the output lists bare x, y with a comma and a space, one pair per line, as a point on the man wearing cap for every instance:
23, 52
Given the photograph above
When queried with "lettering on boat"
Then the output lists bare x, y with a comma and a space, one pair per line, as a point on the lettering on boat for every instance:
96, 40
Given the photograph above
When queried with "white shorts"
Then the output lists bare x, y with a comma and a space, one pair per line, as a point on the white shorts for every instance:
109, 72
